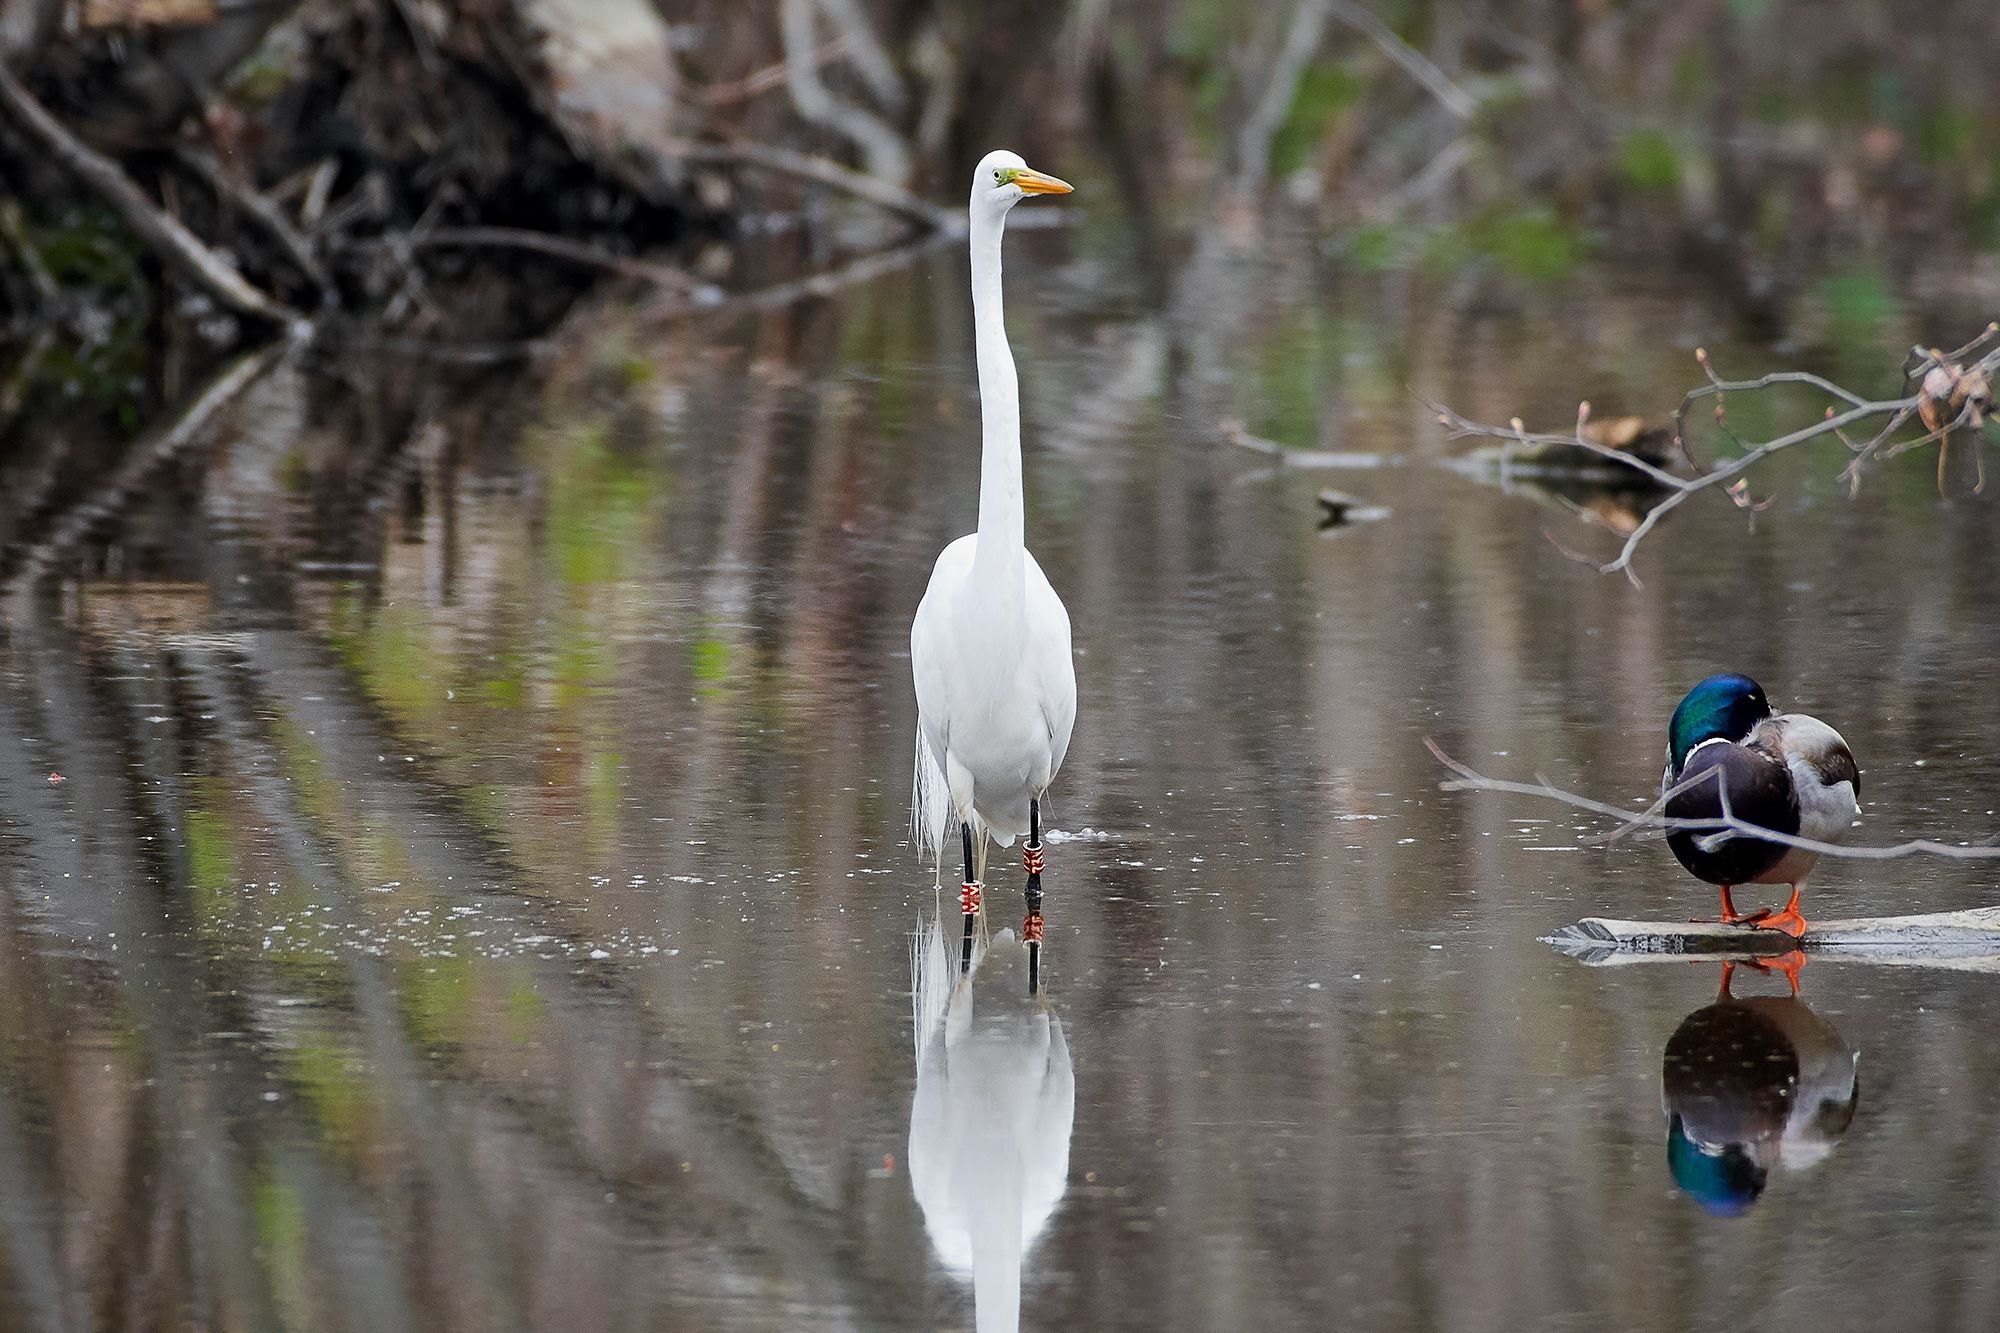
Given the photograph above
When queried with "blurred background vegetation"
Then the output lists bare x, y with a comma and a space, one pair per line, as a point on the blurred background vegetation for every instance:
1754, 141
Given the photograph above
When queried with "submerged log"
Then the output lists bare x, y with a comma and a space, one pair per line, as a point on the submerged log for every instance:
1967, 940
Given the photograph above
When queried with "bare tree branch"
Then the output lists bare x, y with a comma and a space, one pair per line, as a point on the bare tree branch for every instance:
259, 209
1725, 826
559, 247
1414, 62
168, 238
888, 155
1679, 489
824, 171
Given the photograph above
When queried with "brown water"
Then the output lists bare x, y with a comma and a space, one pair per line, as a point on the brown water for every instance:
476, 893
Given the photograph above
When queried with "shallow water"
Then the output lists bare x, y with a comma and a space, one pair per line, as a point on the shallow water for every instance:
455, 866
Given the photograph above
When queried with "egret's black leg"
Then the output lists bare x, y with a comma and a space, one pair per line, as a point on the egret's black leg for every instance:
1031, 929
968, 899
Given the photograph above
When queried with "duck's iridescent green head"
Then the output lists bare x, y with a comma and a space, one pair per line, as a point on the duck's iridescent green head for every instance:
1727, 705
1724, 1183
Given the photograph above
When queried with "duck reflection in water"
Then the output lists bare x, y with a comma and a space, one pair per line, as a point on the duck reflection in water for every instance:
1750, 1084
990, 1123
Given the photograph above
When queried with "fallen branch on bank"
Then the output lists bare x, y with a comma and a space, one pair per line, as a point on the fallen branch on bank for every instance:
1953, 393
174, 243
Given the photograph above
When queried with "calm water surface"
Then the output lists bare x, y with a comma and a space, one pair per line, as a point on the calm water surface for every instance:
452, 840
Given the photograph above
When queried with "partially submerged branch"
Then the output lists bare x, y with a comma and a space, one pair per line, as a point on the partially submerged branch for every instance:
1724, 826
188, 426
1953, 393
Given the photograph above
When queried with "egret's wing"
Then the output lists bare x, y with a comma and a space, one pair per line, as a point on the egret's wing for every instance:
930, 657
1054, 666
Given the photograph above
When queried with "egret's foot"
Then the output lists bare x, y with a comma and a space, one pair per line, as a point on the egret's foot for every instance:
1031, 931
968, 903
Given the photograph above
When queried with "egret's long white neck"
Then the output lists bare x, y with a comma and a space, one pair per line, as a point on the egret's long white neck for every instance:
997, 562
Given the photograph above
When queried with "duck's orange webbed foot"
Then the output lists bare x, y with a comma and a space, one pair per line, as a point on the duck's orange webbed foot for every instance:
1787, 963
1730, 916
1789, 921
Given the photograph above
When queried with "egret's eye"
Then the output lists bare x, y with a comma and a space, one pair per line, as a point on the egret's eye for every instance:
999, 176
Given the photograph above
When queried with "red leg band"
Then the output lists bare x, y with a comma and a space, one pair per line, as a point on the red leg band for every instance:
1031, 858
1031, 929
968, 899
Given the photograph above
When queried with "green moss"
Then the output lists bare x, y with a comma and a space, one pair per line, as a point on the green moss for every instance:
438, 999
1648, 162
525, 1010
280, 1215
1860, 302
335, 1088
1948, 136
1531, 243
1375, 248
1325, 90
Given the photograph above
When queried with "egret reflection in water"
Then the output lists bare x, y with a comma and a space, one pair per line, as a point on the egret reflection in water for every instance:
991, 1119
1748, 1085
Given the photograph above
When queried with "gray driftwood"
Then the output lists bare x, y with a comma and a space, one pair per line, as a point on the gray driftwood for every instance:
1966, 941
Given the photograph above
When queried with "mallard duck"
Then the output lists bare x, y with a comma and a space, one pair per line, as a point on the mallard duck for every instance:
1788, 772
1750, 1084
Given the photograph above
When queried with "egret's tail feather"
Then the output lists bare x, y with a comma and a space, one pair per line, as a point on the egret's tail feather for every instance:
930, 805
931, 980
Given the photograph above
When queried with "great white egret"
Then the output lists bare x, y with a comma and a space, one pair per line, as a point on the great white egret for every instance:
991, 1120
996, 690
1792, 774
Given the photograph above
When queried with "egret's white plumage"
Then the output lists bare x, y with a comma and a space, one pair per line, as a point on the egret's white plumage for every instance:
990, 647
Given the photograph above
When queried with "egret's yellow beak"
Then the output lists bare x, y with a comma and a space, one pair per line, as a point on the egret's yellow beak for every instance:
1034, 182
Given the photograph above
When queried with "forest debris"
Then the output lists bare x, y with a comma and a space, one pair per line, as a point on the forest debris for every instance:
560, 247
166, 237
16, 233
1974, 375
259, 209
186, 426
1338, 509
824, 171
98, 14
1950, 390
1580, 458
611, 66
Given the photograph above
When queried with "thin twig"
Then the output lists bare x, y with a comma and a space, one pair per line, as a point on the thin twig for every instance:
1414, 62
871, 265
259, 209
767, 78
1678, 489
823, 171
16, 231
168, 238
1726, 824
559, 247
